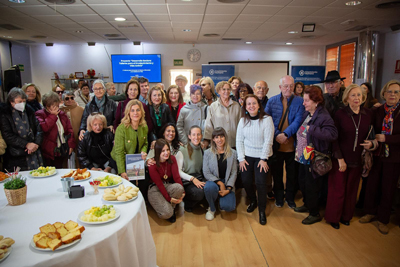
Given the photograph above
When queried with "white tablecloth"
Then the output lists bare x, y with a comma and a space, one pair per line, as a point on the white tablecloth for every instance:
125, 242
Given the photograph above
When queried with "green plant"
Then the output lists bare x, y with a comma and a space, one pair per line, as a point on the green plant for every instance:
16, 182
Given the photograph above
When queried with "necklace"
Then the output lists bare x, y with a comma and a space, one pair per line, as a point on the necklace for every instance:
165, 172
356, 126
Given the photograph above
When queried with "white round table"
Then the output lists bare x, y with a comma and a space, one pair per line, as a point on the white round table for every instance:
126, 241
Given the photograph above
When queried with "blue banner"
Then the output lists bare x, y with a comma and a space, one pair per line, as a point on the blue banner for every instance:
308, 74
218, 73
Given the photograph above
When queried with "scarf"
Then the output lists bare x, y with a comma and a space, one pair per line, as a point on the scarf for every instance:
387, 124
21, 123
34, 104
60, 128
157, 114
101, 103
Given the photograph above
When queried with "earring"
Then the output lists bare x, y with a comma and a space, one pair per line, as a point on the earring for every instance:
316, 105
259, 111
247, 113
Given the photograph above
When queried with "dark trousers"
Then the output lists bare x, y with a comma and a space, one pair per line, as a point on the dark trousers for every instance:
381, 186
342, 193
310, 188
193, 195
260, 181
277, 173
58, 162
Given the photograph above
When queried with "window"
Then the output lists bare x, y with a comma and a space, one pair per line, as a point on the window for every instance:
185, 72
341, 57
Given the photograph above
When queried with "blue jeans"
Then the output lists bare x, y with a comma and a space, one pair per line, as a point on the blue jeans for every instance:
226, 203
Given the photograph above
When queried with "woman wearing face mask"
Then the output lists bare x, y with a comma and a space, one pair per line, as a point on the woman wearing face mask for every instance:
57, 131
34, 96
194, 113
190, 164
132, 91
22, 133
159, 111
166, 190
94, 151
83, 95
175, 101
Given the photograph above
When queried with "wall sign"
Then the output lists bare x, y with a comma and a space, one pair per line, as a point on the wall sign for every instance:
178, 62
308, 74
218, 73
21, 67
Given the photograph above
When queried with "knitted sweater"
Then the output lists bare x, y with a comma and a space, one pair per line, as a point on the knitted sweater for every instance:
255, 139
189, 168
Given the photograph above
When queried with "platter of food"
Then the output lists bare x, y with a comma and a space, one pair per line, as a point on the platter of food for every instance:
108, 181
43, 172
121, 194
4, 177
79, 175
57, 236
99, 215
5, 247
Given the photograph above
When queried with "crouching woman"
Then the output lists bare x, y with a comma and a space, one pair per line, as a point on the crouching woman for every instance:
166, 189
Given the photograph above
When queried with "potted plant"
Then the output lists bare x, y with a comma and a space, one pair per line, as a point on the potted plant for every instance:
15, 190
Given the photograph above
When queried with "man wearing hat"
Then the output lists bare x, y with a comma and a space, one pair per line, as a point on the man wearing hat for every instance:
181, 81
333, 97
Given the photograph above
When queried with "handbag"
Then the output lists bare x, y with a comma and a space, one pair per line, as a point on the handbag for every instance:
321, 163
64, 148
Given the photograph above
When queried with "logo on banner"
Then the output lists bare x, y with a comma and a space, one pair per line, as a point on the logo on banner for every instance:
301, 73
211, 71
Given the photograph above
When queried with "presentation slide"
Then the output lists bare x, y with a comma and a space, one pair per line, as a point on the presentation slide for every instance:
124, 67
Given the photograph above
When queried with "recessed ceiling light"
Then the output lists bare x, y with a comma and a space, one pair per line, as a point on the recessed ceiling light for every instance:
308, 27
249, 42
187, 30
211, 35
353, 3
292, 32
39, 36
120, 19
5, 36
17, 1
79, 31
289, 43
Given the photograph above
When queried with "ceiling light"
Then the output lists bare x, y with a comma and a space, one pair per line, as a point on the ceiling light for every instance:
353, 3
91, 43
61, 2
308, 27
249, 42
39, 36
17, 1
79, 31
120, 19
186, 0
230, 1
136, 43
187, 30
289, 43
292, 32
5, 36
49, 44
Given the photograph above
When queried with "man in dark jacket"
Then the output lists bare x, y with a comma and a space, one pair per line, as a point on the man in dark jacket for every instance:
261, 90
333, 97
101, 104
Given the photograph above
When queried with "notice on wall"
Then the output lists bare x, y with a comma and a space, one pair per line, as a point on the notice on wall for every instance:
218, 73
308, 74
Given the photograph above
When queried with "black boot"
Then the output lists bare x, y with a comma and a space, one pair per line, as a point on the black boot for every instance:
252, 207
263, 218
172, 219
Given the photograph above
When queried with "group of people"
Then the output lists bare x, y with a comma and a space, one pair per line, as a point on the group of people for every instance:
199, 146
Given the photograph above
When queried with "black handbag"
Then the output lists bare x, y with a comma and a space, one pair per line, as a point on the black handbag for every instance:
321, 163
64, 148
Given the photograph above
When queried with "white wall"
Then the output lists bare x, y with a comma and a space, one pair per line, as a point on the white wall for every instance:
66, 59
389, 52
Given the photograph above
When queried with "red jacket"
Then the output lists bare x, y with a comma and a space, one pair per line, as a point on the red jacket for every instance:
50, 131
180, 106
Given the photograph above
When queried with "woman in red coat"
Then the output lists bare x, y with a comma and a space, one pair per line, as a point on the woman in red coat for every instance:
57, 130
175, 101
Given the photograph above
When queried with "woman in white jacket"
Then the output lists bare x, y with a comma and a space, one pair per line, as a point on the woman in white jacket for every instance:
254, 140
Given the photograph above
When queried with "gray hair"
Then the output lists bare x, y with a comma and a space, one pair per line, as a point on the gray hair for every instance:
286, 76
66, 93
15, 93
99, 81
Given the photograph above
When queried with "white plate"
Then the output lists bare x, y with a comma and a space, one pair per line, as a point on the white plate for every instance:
42, 176
117, 201
117, 214
110, 186
64, 246
78, 181
7, 253
5, 180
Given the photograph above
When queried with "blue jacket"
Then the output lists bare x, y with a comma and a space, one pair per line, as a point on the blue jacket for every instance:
296, 110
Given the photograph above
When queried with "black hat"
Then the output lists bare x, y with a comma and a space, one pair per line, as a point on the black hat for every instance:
332, 76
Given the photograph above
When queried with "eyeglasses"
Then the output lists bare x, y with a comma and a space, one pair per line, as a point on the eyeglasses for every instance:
98, 89
396, 92
69, 98
59, 92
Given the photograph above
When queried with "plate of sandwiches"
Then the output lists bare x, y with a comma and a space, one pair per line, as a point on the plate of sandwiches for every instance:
5, 247
79, 175
57, 236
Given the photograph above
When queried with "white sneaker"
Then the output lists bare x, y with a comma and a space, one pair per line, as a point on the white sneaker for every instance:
210, 215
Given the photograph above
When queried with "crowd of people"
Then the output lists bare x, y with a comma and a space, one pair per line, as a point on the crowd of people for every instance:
200, 145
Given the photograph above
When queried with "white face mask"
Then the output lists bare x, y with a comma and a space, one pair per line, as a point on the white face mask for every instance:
20, 106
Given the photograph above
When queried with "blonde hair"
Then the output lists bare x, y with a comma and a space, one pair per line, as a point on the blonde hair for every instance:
387, 85
235, 78
94, 117
210, 82
127, 118
58, 85
38, 94
221, 84
349, 89
156, 88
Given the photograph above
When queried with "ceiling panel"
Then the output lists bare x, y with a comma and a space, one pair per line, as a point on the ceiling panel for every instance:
9, 12
155, 24
36, 10
95, 25
22, 21
224, 9
342, 3
186, 18
73, 9
129, 18
89, 2
111, 9
194, 2
285, 19
246, 25
137, 2
219, 18
261, 10
187, 25
297, 11
158, 29
149, 9
158, 17
186, 9
311, 3
86, 18
252, 18
53, 19
211, 25
270, 2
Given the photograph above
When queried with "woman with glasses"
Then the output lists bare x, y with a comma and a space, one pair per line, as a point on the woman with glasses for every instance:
34, 96
100, 103
209, 96
223, 113
59, 90
385, 172
242, 91
57, 131
175, 101
82, 96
